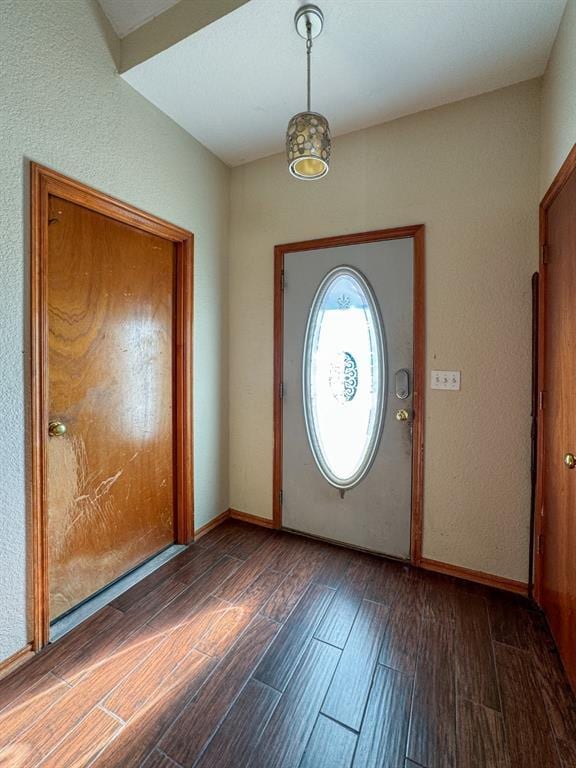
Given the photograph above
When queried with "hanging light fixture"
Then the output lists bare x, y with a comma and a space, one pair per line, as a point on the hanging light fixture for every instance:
308, 141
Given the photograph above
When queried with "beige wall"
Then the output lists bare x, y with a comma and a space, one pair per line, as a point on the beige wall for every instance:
469, 171
63, 105
559, 100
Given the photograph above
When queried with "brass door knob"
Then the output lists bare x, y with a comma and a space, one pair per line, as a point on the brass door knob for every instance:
402, 415
570, 460
56, 429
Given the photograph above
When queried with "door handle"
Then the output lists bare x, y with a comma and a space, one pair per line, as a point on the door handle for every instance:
570, 460
56, 429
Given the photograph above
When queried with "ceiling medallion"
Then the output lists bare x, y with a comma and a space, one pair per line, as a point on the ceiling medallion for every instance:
308, 142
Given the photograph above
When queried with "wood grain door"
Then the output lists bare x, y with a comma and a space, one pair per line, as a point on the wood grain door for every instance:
558, 543
110, 476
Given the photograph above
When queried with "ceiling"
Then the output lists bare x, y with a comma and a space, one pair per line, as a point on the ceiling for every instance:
235, 83
127, 15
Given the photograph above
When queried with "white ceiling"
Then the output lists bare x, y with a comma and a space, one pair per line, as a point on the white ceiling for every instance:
234, 84
127, 15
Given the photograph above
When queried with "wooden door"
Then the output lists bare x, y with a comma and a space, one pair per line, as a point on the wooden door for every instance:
557, 543
110, 476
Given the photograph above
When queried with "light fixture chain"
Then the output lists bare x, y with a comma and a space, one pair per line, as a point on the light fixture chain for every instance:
308, 57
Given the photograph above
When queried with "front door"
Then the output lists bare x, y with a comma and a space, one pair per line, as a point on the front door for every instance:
110, 457
558, 547
348, 394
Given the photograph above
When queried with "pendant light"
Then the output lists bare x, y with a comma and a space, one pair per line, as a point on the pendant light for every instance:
308, 141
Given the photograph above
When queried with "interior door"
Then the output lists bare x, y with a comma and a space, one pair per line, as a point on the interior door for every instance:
347, 394
110, 397
558, 558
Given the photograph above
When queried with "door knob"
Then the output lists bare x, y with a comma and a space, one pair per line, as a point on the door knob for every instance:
570, 460
402, 415
56, 429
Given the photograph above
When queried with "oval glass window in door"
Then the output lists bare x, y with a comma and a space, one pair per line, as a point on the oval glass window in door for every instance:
344, 377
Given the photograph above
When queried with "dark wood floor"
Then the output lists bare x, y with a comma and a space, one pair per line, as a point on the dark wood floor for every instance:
268, 650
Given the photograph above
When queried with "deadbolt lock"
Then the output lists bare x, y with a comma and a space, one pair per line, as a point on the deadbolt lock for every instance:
56, 429
402, 415
570, 460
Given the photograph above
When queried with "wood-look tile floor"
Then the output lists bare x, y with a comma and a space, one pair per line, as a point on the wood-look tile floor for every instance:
256, 649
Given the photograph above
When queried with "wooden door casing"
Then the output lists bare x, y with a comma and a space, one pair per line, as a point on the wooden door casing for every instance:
555, 564
48, 186
110, 326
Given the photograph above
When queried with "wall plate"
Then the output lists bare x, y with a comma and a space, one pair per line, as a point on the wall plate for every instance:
445, 380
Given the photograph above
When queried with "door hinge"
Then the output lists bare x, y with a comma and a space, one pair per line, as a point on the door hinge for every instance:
540, 544
282, 280
545, 254
281, 390
541, 400
281, 497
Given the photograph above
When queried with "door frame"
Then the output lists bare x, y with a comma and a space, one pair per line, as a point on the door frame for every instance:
43, 183
416, 232
560, 180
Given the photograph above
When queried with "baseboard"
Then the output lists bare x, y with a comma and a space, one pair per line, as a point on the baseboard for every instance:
488, 579
212, 524
265, 522
16, 660
234, 514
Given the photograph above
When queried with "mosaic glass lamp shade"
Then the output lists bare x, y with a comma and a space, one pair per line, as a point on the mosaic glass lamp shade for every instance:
308, 140
308, 145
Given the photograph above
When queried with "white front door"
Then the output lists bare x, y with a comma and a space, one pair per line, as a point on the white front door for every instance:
348, 338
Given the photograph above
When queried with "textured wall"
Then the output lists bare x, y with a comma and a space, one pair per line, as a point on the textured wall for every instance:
62, 104
559, 100
469, 171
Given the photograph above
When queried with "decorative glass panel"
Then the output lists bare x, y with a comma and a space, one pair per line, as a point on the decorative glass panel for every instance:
344, 387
